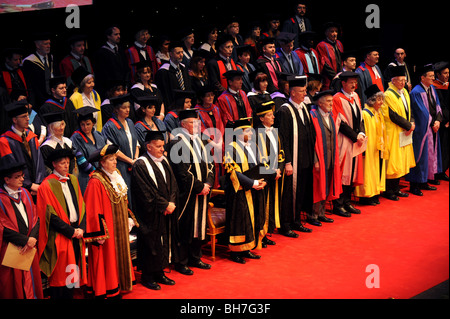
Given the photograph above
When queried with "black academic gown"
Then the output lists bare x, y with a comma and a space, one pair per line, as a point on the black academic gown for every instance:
66, 106
193, 207
290, 208
167, 82
157, 233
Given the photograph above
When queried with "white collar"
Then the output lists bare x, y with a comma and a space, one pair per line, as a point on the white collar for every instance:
17, 131
140, 46
324, 114
60, 176
348, 95
155, 159
12, 192
297, 106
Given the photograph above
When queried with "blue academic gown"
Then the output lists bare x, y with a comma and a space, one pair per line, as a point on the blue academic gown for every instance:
83, 148
426, 151
114, 132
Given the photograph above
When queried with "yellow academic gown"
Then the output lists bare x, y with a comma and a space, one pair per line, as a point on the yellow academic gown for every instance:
401, 159
374, 168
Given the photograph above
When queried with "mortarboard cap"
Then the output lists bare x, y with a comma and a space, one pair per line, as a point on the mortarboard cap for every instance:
8, 167
142, 64
439, 66
54, 82
222, 39
117, 101
78, 75
265, 41
231, 74
399, 70
242, 123
76, 38
85, 113
344, 76
53, 117
349, 54
16, 108
187, 114
320, 94
285, 37
175, 44
58, 154
242, 49
154, 135
41, 36
265, 107
297, 80
425, 69
372, 90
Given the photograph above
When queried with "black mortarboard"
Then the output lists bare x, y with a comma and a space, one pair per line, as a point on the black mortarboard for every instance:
264, 41
314, 77
78, 75
10, 51
372, 90
57, 80
368, 49
201, 92
142, 64
297, 80
175, 44
85, 113
439, 66
108, 149
320, 94
349, 54
58, 154
285, 37
425, 69
53, 117
399, 70
186, 114
252, 75
145, 101
222, 39
8, 167
231, 74
154, 135
344, 76
117, 101
265, 107
331, 24
184, 32
16, 108
242, 123
242, 49
41, 36
76, 38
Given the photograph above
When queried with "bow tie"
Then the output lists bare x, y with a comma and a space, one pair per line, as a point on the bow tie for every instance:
63, 179
269, 129
14, 193
158, 160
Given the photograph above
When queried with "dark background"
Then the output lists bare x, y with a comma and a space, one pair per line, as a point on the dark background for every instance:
419, 27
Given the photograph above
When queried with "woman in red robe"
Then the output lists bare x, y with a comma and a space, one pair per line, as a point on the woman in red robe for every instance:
19, 225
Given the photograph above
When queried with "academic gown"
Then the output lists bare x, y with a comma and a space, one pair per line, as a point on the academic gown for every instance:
298, 142
375, 155
325, 189
309, 59
245, 207
192, 172
216, 68
212, 126
350, 125
158, 233
272, 68
110, 266
53, 106
57, 250
77, 100
83, 147
273, 156
444, 96
166, 80
368, 77
114, 132
398, 119
16, 283
11, 146
230, 110
109, 66
142, 127
138, 90
330, 60
134, 55
426, 144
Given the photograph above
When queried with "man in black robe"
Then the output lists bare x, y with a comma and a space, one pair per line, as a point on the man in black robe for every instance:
298, 135
244, 191
59, 102
194, 172
155, 187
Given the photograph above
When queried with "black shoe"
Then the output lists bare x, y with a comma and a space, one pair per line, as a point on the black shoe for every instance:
426, 187
314, 222
183, 269
401, 194
376, 200
301, 228
366, 201
325, 219
289, 233
164, 280
249, 254
341, 212
442, 177
391, 196
151, 285
200, 264
267, 241
349, 208
416, 191
434, 181
237, 259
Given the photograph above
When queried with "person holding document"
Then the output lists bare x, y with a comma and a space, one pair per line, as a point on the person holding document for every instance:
399, 126
19, 227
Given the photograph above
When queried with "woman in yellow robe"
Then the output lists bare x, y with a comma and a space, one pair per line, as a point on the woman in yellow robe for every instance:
375, 155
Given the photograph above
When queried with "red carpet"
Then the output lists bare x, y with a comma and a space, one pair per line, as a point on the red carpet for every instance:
408, 240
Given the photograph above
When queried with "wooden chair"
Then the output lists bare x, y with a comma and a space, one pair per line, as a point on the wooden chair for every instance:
215, 221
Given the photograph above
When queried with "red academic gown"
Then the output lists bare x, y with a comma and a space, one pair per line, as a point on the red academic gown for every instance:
328, 61
16, 283
228, 107
319, 182
103, 276
56, 251
133, 56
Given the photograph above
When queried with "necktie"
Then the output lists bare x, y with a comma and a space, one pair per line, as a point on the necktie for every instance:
313, 61
45, 62
302, 25
26, 144
180, 78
